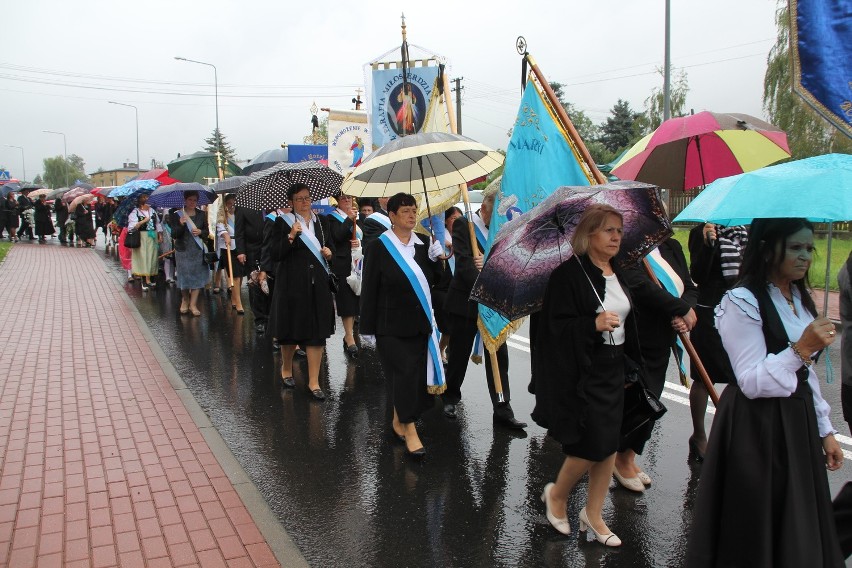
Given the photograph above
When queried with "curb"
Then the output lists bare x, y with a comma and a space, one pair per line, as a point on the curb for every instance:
282, 546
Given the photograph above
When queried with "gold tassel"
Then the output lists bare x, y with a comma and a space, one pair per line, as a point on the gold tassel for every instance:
436, 389
477, 359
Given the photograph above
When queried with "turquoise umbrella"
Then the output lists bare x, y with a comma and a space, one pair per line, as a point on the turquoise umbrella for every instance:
818, 188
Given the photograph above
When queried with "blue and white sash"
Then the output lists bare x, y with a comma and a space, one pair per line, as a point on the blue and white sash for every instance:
309, 238
380, 218
180, 213
338, 214
674, 286
435, 382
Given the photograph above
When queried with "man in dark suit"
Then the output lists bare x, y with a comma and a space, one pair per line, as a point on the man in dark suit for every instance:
248, 236
463, 315
25, 203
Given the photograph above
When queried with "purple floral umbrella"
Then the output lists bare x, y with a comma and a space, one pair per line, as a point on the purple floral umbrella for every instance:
528, 248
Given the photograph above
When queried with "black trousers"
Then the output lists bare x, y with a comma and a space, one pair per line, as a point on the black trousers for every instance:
64, 235
462, 333
258, 301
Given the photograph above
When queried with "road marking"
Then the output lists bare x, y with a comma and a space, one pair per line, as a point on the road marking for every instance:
522, 343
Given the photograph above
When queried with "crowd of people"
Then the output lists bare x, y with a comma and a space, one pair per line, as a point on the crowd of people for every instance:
763, 498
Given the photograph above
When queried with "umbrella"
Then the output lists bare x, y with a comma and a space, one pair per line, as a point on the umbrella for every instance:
528, 248
84, 185
159, 174
34, 186
128, 203
10, 187
265, 160
73, 193
695, 150
818, 188
229, 185
267, 190
57, 193
173, 195
39, 192
132, 186
428, 161
200, 166
85, 198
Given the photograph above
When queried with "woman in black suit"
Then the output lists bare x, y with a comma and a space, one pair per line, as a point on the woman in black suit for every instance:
341, 222
302, 311
397, 318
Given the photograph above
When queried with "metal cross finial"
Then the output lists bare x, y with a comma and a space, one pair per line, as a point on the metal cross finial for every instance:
521, 45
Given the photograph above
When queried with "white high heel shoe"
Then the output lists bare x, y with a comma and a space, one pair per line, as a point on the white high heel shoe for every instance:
609, 539
559, 524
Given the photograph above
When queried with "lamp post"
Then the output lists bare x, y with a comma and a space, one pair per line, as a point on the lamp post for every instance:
216, 95
136, 110
23, 160
64, 150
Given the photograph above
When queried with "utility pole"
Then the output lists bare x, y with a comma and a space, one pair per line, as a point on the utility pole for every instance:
667, 71
458, 90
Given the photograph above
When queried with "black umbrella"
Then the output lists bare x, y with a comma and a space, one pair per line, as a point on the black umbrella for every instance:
228, 185
32, 186
267, 190
10, 187
84, 185
265, 160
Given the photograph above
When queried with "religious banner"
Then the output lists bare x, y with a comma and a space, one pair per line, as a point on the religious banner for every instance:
348, 139
822, 58
306, 152
389, 117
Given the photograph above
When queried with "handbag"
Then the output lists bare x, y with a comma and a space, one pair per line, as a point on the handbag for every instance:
641, 406
133, 239
211, 258
333, 280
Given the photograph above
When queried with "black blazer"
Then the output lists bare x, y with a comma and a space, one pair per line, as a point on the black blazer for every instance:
458, 297
341, 234
180, 235
248, 232
389, 306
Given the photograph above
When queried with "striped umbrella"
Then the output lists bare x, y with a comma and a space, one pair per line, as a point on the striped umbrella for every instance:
692, 151
266, 190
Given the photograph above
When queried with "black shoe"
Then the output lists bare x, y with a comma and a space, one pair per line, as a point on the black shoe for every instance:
450, 410
301, 353
352, 351
317, 394
504, 416
418, 454
260, 328
275, 346
288, 382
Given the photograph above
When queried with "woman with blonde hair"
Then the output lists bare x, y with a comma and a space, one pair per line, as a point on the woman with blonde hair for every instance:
586, 328
225, 241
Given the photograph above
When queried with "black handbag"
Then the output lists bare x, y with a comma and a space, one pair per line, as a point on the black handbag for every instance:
641, 406
133, 239
210, 259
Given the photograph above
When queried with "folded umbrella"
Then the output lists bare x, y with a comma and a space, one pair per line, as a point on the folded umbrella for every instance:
173, 195
267, 190
528, 248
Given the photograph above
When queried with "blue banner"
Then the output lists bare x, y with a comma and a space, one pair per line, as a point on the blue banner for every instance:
306, 152
539, 160
822, 58
393, 111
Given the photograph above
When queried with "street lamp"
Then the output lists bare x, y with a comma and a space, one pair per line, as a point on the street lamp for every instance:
136, 110
23, 160
64, 150
216, 93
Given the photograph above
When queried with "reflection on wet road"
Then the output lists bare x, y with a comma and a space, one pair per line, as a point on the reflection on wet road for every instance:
347, 494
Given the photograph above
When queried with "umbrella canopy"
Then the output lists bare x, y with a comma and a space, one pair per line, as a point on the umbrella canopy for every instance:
132, 186
39, 192
73, 193
265, 160
199, 167
430, 160
84, 185
159, 174
57, 193
818, 188
34, 186
528, 248
10, 187
127, 204
695, 150
228, 185
173, 195
267, 190
85, 198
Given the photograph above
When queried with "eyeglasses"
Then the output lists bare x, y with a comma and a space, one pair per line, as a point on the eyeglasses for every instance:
302, 199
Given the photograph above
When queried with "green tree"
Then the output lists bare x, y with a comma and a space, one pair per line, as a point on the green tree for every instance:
38, 180
654, 104
59, 172
620, 130
588, 130
808, 134
217, 142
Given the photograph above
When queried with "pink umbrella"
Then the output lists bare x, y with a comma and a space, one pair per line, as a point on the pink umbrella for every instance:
86, 198
74, 193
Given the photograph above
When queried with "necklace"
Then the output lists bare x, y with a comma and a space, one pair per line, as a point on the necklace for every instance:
791, 304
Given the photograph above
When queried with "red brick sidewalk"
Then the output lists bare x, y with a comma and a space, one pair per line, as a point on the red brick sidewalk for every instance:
100, 462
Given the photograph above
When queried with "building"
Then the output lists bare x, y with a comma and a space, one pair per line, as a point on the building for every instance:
120, 176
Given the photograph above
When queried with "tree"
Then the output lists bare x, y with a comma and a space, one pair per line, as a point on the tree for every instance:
59, 172
808, 134
38, 180
654, 104
587, 129
620, 129
217, 142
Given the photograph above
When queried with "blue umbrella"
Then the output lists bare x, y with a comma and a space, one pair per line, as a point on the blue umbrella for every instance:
8, 188
133, 185
127, 204
172, 195
818, 188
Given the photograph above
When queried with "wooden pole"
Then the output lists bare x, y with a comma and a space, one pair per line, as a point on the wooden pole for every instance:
495, 372
690, 349
566, 122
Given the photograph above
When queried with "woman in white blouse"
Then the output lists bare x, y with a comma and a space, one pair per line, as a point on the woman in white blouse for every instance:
763, 498
225, 240
145, 263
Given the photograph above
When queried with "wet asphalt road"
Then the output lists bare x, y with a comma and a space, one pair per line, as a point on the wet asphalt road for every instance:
347, 494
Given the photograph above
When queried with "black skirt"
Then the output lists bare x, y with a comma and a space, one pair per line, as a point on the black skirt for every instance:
239, 268
705, 338
604, 391
346, 301
763, 500
404, 365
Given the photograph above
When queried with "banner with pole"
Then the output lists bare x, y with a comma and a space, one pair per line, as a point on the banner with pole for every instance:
349, 139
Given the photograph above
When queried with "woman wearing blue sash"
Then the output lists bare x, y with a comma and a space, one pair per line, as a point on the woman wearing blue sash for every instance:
396, 317
193, 272
302, 312
341, 221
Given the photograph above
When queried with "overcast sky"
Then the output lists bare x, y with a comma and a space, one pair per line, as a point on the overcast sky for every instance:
61, 62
